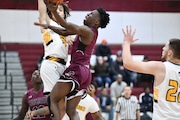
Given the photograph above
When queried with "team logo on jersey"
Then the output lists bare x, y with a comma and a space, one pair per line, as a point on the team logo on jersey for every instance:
70, 73
29, 97
80, 51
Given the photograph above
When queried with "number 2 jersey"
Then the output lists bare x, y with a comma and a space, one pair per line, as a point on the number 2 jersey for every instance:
37, 101
167, 94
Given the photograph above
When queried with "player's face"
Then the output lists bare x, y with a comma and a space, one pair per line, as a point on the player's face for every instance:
36, 76
60, 11
165, 51
91, 18
91, 89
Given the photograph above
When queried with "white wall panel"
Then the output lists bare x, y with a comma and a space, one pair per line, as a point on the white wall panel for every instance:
16, 26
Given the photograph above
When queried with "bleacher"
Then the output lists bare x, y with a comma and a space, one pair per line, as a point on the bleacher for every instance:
29, 54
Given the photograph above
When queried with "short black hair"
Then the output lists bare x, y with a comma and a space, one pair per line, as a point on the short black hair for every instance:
104, 17
94, 84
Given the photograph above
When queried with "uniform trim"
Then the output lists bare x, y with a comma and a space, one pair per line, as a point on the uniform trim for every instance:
59, 60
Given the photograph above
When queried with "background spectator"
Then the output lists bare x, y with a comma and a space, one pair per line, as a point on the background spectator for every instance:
117, 67
117, 88
102, 73
144, 78
106, 104
146, 103
104, 50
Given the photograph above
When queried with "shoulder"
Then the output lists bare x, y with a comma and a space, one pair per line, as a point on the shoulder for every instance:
89, 99
141, 95
113, 84
133, 97
150, 94
29, 91
124, 83
121, 98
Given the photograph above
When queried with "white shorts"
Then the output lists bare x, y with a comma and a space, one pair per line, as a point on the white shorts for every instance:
50, 72
65, 117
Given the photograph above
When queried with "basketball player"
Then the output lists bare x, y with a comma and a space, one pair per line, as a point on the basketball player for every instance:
77, 76
34, 99
166, 104
55, 46
86, 105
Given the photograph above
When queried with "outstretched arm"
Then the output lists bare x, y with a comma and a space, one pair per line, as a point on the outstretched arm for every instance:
150, 67
58, 30
83, 31
23, 110
43, 17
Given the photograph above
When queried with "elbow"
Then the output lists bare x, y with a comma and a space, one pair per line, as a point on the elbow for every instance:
126, 65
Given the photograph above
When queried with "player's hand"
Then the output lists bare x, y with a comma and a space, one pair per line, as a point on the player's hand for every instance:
45, 26
70, 40
51, 6
29, 115
129, 35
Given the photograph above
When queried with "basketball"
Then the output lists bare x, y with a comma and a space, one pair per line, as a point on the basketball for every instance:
56, 1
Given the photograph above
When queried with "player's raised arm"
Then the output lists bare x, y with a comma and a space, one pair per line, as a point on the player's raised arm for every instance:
150, 67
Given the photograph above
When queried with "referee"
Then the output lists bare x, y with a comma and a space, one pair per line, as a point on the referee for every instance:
127, 107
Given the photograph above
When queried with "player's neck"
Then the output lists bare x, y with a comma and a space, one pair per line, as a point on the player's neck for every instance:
175, 61
37, 88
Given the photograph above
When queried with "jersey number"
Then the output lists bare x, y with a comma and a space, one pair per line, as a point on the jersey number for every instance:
36, 108
171, 93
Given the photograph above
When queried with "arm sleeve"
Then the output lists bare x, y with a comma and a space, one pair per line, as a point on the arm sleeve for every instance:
94, 106
138, 105
118, 106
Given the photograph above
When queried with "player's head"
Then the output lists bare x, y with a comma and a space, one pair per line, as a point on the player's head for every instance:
35, 78
91, 89
104, 17
171, 49
174, 45
63, 10
97, 18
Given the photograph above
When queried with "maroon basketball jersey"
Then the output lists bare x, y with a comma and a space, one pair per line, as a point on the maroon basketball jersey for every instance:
36, 101
80, 56
81, 53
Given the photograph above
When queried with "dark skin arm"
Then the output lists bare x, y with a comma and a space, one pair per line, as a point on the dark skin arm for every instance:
57, 30
23, 110
84, 31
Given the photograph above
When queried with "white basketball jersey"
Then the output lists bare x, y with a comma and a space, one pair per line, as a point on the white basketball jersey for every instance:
54, 44
167, 95
87, 105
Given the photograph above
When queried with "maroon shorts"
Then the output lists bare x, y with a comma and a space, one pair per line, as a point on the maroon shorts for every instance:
78, 73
